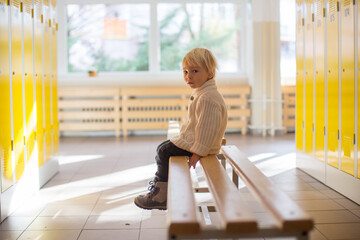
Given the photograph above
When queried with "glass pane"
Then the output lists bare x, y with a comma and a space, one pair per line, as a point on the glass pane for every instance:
216, 26
287, 41
108, 38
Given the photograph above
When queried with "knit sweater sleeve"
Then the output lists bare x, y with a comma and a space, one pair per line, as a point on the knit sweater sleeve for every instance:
208, 115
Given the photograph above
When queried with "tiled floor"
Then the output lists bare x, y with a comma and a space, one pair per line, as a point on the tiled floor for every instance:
92, 195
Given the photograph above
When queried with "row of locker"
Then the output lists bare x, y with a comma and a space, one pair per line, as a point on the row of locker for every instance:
28, 86
327, 93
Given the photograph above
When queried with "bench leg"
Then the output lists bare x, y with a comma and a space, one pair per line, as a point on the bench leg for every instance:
235, 178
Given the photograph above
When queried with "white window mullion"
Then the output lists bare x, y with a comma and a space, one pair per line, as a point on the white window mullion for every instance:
154, 43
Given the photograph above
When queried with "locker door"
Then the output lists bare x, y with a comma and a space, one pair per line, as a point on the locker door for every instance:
46, 78
299, 76
319, 80
358, 100
347, 87
30, 110
54, 123
309, 78
17, 88
38, 23
5, 119
333, 83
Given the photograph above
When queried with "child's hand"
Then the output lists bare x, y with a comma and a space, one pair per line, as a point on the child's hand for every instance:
193, 160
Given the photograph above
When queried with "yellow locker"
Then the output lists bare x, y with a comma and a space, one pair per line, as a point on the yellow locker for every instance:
299, 75
309, 77
319, 80
358, 100
55, 125
17, 88
38, 23
46, 76
333, 83
30, 109
347, 87
5, 111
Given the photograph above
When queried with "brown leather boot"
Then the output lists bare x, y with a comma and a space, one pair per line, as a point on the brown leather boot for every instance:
155, 199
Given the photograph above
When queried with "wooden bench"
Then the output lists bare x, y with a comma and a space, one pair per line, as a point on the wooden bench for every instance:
237, 221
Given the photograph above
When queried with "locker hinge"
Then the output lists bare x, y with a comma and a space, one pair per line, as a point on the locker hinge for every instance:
21, 7
42, 18
57, 26
354, 2
32, 13
49, 23
354, 138
324, 12
12, 145
324, 131
338, 137
24, 141
312, 17
313, 128
8, 2
338, 6
303, 21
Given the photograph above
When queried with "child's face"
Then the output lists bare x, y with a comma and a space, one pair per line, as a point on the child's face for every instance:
195, 76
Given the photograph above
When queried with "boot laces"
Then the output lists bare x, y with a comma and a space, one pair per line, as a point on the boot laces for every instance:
152, 186
152, 189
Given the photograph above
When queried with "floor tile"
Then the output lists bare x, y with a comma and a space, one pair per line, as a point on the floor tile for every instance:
313, 205
55, 223
9, 235
113, 222
60, 210
306, 195
16, 223
340, 231
50, 235
316, 235
346, 203
331, 193
154, 221
109, 235
337, 216
356, 212
151, 234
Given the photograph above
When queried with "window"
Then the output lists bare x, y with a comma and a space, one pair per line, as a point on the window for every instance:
211, 25
108, 37
121, 37
287, 41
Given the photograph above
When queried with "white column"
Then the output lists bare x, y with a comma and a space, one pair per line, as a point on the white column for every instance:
264, 77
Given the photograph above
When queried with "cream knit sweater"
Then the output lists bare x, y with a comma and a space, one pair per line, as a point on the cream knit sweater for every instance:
205, 125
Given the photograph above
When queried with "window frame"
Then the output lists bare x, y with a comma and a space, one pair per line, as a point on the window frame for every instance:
154, 71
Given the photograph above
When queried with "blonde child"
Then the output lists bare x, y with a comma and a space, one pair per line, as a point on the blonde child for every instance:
201, 133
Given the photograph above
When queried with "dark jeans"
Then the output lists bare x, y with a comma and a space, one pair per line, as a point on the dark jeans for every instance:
164, 151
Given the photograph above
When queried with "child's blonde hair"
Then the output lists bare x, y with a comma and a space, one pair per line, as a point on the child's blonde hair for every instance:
201, 57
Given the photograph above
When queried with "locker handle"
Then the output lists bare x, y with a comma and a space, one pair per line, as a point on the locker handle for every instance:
12, 145
338, 136
13, 73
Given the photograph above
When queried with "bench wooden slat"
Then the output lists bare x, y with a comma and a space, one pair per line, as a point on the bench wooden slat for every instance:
235, 214
288, 215
182, 217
